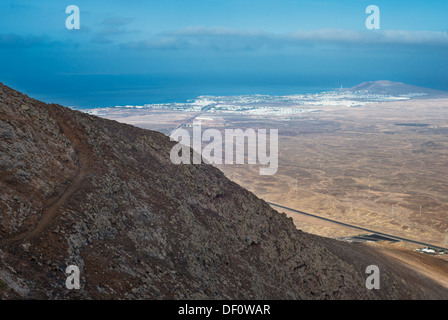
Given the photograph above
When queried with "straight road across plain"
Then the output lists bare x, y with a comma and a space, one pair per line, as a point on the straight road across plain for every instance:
359, 228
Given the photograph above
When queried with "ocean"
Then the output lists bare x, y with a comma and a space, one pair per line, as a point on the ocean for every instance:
96, 91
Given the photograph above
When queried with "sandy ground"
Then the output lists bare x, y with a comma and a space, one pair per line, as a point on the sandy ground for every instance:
429, 266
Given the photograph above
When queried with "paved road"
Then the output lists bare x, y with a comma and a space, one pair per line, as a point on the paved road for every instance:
359, 228
172, 131
203, 110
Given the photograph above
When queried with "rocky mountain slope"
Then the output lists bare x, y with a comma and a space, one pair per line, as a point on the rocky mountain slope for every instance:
104, 196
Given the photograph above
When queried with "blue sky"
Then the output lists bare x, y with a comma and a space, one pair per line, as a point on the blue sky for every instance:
153, 51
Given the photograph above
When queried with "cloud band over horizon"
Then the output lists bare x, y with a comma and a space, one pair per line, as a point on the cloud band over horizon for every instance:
231, 39
226, 39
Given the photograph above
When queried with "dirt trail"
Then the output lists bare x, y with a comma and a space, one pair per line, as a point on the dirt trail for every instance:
50, 210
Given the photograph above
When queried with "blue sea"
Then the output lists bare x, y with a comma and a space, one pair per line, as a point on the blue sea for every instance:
97, 91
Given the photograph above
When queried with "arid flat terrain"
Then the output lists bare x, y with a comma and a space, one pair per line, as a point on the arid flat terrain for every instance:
381, 166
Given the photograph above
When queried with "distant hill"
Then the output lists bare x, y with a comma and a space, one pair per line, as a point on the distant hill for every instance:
394, 89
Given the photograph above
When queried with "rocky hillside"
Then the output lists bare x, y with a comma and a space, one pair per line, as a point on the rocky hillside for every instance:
80, 190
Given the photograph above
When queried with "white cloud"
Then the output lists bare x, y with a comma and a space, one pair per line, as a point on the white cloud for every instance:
226, 39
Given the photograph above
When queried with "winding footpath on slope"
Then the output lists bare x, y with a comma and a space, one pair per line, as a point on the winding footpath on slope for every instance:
50, 210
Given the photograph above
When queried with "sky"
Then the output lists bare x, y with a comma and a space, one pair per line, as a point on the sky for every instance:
144, 51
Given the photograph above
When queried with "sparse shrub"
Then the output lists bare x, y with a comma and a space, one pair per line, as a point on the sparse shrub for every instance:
3, 285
